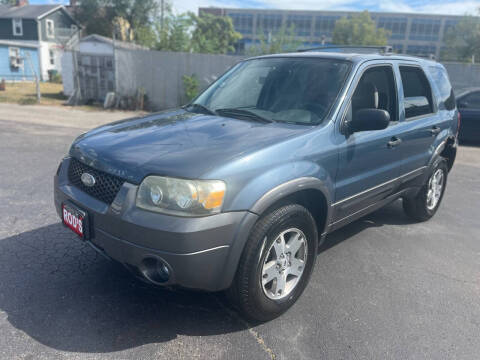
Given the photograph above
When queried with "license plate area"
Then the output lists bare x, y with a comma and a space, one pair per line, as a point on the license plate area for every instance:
76, 220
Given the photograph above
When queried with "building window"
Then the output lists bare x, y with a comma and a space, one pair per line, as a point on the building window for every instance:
74, 27
325, 24
449, 24
17, 27
425, 29
396, 25
14, 52
269, 23
243, 23
16, 62
51, 55
302, 24
50, 29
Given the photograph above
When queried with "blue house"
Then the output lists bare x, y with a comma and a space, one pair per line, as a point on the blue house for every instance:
19, 61
32, 39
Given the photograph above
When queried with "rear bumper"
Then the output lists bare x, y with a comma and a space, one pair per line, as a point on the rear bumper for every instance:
200, 253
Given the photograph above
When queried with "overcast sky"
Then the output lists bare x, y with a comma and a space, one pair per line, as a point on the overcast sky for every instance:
448, 7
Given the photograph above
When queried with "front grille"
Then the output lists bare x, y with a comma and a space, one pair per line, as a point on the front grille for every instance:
106, 186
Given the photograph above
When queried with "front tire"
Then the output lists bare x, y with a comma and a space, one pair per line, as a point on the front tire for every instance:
276, 264
427, 201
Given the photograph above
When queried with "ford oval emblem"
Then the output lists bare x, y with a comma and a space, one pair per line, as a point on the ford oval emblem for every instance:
88, 180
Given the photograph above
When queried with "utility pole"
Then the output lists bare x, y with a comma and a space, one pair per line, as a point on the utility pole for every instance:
162, 14
35, 75
115, 72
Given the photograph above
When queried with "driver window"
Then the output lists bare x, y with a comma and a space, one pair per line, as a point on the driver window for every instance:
376, 90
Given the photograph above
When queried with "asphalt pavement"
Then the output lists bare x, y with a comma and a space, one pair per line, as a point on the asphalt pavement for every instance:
383, 288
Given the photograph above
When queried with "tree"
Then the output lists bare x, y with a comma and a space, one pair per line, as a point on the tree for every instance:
170, 33
213, 34
8, 2
463, 40
359, 29
284, 40
101, 17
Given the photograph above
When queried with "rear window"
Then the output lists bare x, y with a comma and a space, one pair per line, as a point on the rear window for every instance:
416, 91
440, 77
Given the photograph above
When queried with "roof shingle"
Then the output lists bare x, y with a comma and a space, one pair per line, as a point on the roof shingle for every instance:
26, 11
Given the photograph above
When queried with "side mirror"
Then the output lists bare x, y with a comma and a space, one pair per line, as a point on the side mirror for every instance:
369, 119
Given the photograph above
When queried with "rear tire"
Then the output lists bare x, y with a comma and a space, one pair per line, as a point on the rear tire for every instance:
276, 263
427, 201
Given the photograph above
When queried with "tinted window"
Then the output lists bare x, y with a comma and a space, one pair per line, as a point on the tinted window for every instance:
472, 101
376, 90
299, 90
416, 90
440, 77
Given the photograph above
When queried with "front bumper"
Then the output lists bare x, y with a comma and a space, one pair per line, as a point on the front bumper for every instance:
201, 252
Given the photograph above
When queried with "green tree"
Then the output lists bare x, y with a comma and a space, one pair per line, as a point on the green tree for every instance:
8, 2
100, 16
213, 34
172, 33
284, 40
359, 29
463, 40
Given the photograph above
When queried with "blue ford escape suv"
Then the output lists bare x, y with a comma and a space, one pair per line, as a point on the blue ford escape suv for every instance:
236, 190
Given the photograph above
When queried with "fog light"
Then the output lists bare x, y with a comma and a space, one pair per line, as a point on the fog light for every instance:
155, 270
163, 271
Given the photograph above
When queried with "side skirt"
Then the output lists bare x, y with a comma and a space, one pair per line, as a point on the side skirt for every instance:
367, 210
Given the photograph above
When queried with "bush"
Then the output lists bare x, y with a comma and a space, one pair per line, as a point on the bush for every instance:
56, 78
190, 84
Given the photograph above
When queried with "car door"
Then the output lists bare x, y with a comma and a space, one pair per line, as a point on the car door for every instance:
469, 107
369, 161
420, 120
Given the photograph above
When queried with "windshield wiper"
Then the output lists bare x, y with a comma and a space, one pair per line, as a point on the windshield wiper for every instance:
199, 107
243, 113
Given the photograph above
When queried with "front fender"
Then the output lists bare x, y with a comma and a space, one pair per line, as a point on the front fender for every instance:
288, 188
263, 190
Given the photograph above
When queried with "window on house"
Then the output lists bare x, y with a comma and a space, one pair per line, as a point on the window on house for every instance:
14, 52
17, 27
51, 55
74, 27
50, 29
16, 61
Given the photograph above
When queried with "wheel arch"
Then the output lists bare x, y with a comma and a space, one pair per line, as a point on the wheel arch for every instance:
309, 192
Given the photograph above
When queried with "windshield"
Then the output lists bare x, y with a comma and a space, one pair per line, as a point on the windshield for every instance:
298, 90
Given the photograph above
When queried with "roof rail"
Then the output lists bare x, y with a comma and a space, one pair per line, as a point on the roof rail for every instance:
352, 48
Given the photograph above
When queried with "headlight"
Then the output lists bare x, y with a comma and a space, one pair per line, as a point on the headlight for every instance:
181, 197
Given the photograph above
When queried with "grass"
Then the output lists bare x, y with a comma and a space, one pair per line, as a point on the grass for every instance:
24, 93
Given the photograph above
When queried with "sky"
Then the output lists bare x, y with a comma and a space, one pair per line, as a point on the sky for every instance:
449, 7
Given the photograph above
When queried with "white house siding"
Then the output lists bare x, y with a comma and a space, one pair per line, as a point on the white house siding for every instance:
45, 48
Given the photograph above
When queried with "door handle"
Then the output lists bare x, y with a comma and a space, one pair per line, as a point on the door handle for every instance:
394, 141
435, 130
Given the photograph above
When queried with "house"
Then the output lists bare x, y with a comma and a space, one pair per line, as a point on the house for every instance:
95, 56
32, 39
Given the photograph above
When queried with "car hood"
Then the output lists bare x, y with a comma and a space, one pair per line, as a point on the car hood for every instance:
175, 143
